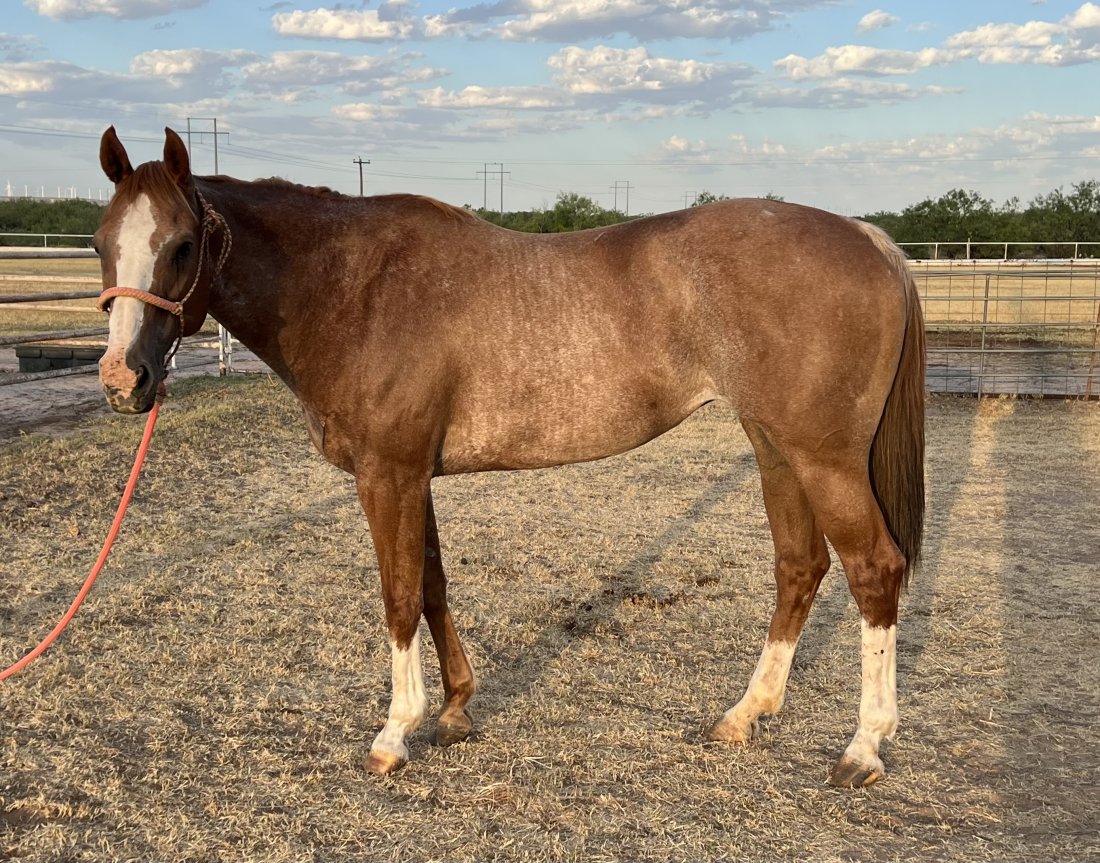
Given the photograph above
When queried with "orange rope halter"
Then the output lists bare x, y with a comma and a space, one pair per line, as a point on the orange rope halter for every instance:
211, 221
107, 544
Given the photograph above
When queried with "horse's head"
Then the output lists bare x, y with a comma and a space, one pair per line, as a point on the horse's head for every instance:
151, 245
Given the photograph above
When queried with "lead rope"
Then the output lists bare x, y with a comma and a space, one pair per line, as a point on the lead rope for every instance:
135, 472
211, 221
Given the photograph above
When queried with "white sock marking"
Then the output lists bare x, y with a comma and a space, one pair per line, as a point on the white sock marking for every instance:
766, 686
878, 705
408, 702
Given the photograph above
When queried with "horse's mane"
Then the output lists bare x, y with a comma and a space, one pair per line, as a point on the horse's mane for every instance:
154, 179
324, 192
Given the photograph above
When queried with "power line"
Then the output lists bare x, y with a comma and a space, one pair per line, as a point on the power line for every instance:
622, 184
360, 163
486, 172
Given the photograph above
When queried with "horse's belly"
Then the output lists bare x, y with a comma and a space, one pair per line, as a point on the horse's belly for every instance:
544, 434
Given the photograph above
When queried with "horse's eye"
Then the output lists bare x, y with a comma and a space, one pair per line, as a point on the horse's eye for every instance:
183, 252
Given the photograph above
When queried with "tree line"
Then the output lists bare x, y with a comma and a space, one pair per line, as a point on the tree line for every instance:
27, 216
964, 216
955, 217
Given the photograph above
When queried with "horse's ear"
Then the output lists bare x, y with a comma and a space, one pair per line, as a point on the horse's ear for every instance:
176, 159
112, 157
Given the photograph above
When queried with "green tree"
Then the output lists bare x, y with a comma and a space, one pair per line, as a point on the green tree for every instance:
706, 197
26, 216
571, 212
1063, 218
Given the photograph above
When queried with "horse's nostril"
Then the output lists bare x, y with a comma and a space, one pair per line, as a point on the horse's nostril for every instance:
142, 376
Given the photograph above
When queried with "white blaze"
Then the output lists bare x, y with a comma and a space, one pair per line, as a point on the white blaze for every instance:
133, 269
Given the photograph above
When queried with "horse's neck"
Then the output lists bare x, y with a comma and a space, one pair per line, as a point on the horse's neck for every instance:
246, 295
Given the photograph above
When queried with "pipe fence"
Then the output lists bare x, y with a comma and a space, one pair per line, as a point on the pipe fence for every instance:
1028, 328
1000, 250
995, 327
90, 340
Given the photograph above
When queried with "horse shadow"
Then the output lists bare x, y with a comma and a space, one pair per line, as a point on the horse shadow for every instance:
519, 671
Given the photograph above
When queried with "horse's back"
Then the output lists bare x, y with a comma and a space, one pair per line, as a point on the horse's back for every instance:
570, 347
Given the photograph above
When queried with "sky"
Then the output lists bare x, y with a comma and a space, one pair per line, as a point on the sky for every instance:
851, 106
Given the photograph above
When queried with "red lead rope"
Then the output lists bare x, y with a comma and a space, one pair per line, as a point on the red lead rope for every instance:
111, 534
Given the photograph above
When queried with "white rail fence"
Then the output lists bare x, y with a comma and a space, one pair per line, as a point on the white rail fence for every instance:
995, 327
1001, 250
82, 346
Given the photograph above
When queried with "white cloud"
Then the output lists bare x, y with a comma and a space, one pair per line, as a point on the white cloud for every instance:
19, 79
504, 98
178, 64
843, 93
682, 149
69, 10
602, 70
603, 80
385, 24
1075, 39
859, 59
644, 20
367, 112
876, 20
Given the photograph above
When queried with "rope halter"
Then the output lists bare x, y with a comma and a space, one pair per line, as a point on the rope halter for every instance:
212, 220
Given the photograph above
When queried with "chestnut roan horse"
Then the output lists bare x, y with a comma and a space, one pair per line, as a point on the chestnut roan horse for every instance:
423, 341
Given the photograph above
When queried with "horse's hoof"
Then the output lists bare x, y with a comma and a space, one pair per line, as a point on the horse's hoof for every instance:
381, 763
452, 730
849, 773
728, 731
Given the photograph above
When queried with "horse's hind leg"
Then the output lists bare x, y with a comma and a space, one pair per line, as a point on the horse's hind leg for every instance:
801, 561
454, 723
839, 489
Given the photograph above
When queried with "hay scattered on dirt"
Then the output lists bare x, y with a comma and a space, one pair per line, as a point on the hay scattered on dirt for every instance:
215, 697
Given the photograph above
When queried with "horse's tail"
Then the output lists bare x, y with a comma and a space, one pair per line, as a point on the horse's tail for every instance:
897, 452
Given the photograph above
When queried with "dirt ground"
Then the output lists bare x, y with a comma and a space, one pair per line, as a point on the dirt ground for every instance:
217, 693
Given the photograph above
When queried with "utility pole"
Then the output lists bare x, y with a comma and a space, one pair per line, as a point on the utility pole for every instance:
215, 133
360, 163
485, 192
693, 196
624, 184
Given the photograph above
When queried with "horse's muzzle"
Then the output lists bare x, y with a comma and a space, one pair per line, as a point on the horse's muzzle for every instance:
129, 390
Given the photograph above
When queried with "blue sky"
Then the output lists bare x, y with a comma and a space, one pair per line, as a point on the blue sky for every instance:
847, 105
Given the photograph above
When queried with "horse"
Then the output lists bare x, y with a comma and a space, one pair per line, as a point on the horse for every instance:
424, 341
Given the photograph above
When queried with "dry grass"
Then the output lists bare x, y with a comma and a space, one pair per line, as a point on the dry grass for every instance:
215, 697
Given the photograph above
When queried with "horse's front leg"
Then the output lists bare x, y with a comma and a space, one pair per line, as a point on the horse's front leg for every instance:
395, 501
